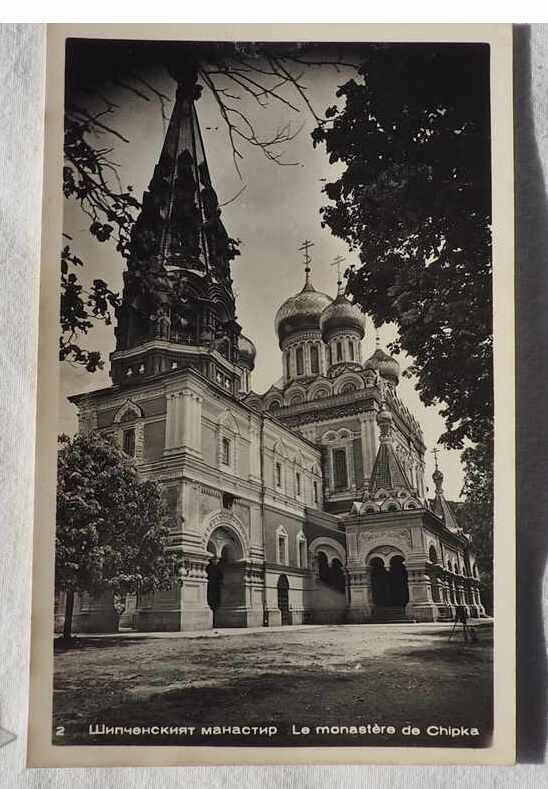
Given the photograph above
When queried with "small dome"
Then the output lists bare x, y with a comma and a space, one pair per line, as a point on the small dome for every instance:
342, 314
386, 365
301, 312
246, 353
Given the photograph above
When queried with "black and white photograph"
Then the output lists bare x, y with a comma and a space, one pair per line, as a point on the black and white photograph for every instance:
274, 414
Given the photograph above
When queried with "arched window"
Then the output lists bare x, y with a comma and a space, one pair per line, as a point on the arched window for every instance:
300, 361
281, 546
340, 469
301, 550
274, 406
128, 443
287, 365
348, 387
297, 399
351, 350
314, 360
339, 352
432, 555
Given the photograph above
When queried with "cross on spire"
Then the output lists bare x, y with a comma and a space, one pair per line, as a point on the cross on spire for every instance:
435, 452
337, 262
306, 245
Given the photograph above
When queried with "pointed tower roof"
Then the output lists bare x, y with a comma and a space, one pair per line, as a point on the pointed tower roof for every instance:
180, 223
387, 472
441, 506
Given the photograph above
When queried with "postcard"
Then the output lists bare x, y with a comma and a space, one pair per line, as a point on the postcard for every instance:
275, 454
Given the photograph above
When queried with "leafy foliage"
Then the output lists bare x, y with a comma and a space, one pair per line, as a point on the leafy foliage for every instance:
415, 201
111, 527
98, 70
475, 514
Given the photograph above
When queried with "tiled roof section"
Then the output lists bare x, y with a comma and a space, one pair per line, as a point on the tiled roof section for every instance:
443, 510
387, 471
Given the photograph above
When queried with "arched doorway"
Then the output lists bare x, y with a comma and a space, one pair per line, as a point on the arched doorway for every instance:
323, 566
380, 586
399, 587
225, 577
389, 584
283, 599
337, 579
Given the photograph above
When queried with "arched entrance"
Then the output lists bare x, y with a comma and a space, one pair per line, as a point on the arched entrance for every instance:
225, 577
399, 587
380, 586
389, 584
283, 599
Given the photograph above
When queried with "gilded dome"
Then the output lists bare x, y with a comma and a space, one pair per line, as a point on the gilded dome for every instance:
386, 365
301, 311
246, 352
342, 314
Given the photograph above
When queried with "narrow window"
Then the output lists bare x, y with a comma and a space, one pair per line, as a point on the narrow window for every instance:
351, 350
339, 352
302, 553
226, 452
314, 360
315, 486
329, 356
300, 361
298, 483
129, 442
278, 475
287, 365
282, 549
339, 469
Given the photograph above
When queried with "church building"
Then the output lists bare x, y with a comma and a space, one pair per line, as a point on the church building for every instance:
303, 504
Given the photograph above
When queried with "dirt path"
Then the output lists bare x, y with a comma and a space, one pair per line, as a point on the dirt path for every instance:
347, 676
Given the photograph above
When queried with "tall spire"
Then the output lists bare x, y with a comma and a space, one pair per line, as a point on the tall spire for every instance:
178, 287
180, 223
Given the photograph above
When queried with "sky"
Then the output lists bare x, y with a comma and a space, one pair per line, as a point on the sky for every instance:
278, 209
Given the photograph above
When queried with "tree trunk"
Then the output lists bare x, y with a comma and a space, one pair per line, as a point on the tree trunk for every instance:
69, 609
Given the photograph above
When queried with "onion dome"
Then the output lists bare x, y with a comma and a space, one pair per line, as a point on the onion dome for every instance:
387, 367
341, 314
301, 312
246, 353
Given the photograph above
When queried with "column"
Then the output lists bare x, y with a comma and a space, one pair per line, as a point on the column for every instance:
306, 358
361, 597
421, 606
254, 451
369, 442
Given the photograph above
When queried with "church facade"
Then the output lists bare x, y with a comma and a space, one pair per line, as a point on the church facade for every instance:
303, 504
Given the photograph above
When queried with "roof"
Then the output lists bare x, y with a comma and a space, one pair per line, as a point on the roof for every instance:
387, 471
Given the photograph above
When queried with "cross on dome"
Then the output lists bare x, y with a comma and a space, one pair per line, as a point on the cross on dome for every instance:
306, 245
337, 262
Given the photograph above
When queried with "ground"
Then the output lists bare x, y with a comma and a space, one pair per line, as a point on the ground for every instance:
288, 678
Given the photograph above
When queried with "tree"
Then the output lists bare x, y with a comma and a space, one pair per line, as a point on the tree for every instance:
230, 72
475, 514
415, 201
112, 528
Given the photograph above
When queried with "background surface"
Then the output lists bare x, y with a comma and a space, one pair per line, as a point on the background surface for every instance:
21, 129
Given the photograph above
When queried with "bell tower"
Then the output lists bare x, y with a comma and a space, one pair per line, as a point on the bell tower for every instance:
178, 308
